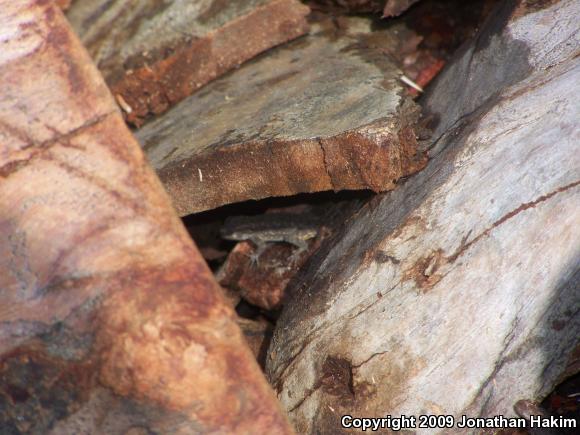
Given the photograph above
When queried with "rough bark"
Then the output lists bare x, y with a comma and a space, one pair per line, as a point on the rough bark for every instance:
110, 321
153, 54
459, 292
322, 113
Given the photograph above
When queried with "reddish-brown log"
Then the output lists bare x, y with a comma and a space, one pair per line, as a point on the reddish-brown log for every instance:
110, 321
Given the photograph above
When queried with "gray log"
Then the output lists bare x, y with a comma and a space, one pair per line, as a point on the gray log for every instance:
458, 293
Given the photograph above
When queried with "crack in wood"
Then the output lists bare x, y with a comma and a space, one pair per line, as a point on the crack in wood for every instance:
309, 392
325, 163
525, 206
38, 148
358, 366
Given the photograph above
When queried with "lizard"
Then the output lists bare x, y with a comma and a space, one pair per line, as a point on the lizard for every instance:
295, 229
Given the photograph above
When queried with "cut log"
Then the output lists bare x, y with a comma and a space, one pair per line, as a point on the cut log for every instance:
321, 113
153, 54
110, 320
459, 292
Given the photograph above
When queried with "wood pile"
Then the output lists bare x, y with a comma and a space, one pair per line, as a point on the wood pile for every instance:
284, 216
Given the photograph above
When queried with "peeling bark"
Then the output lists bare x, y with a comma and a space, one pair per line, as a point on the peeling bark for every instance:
457, 293
110, 321
322, 113
154, 54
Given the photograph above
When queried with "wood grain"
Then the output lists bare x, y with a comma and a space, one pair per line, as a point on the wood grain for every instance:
457, 293
110, 320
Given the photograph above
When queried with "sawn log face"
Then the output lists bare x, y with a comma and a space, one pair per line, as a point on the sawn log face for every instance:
326, 112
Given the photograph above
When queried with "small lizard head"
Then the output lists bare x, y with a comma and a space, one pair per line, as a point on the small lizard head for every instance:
307, 233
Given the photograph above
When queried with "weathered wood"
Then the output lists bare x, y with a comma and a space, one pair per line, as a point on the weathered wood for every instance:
153, 54
459, 292
321, 113
110, 320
